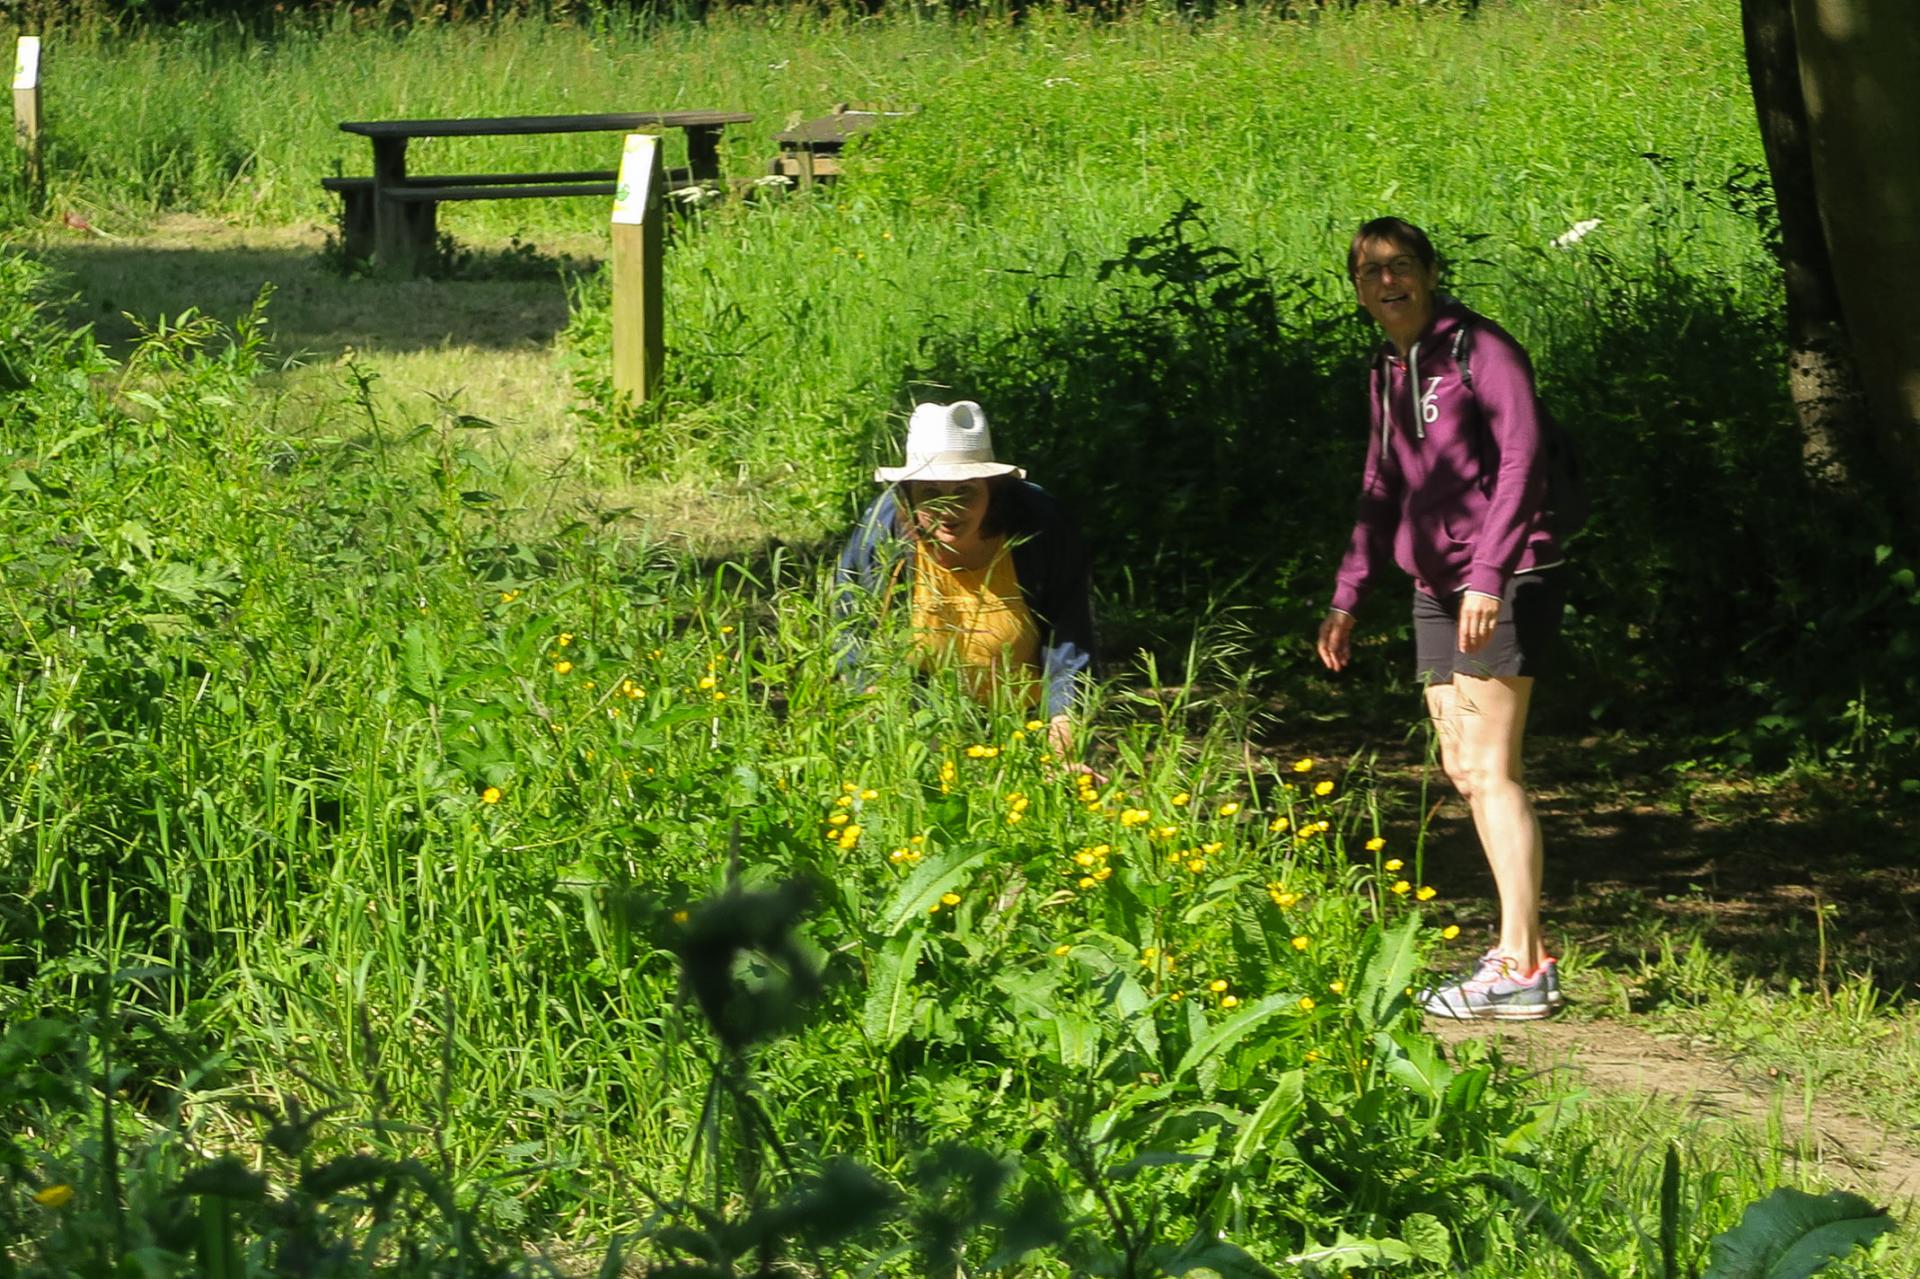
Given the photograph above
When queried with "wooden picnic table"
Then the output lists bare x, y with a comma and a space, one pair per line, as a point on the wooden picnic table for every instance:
401, 210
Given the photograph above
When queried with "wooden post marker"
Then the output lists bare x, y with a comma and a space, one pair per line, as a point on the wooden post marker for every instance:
638, 344
26, 111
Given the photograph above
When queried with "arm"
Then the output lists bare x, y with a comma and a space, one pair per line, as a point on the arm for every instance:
863, 569
1503, 391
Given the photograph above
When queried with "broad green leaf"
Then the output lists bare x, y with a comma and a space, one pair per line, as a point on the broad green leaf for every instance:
1346, 1251
1275, 1118
1413, 1059
1791, 1234
1204, 1255
1231, 1029
1386, 966
890, 997
922, 888
1133, 1005
1427, 1238
1074, 1039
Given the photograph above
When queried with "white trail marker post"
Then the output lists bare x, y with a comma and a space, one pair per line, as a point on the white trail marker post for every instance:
26, 112
639, 347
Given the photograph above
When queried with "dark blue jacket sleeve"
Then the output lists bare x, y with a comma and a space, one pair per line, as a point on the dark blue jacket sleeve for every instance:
863, 564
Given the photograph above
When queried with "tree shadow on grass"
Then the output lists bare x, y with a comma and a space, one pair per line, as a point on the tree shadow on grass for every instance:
508, 299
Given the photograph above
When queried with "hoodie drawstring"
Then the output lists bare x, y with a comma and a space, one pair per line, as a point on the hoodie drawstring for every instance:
1413, 396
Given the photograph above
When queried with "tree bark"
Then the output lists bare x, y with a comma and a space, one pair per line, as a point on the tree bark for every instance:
1828, 399
1860, 73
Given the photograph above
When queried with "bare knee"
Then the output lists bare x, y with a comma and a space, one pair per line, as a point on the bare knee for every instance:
1464, 779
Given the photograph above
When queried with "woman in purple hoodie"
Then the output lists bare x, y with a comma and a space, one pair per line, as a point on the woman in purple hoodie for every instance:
1454, 492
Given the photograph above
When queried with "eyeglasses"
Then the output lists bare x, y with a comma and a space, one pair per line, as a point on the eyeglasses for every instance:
957, 491
1403, 266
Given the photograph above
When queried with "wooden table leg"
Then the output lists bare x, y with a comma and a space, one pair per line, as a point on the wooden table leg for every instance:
703, 151
392, 243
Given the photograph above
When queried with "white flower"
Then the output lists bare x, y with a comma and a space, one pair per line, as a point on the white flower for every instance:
1055, 81
1576, 233
774, 180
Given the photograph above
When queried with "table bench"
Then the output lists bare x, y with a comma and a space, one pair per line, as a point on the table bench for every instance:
810, 151
393, 218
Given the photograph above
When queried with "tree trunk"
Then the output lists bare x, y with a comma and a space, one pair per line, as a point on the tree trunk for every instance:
1828, 399
1860, 72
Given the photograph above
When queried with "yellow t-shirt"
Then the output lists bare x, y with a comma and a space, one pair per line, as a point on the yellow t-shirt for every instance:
976, 622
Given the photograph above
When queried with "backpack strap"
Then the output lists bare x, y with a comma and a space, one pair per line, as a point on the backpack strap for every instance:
1462, 347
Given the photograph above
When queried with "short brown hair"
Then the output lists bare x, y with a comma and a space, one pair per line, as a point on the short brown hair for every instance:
1397, 231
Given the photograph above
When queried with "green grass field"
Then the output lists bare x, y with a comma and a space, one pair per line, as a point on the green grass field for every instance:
397, 729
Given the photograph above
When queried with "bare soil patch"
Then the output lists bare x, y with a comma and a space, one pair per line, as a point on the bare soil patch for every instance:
1845, 1149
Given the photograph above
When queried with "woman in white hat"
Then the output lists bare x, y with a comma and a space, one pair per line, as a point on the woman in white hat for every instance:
995, 571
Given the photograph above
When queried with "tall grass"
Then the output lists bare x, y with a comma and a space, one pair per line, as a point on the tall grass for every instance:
336, 780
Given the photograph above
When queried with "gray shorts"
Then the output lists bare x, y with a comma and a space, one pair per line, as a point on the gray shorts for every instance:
1523, 637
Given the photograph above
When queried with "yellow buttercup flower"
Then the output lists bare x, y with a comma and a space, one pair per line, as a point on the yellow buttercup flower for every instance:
1303, 765
869, 793
950, 899
843, 801
1375, 844
1450, 932
1277, 825
726, 630
1337, 987
1211, 847
1088, 881
1393, 863
1216, 985
1062, 949
897, 856
707, 681
1196, 864
1400, 886
838, 819
1301, 943
1425, 892
1180, 800
1134, 816
1230, 1001
1034, 725
561, 668
491, 795
1323, 788
1103, 874
1229, 809
1306, 1003
57, 1196
679, 916
566, 638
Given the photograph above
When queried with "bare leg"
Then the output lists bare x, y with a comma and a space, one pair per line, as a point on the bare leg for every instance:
1482, 726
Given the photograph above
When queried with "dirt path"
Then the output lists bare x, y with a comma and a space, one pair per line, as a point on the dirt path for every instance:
1847, 1150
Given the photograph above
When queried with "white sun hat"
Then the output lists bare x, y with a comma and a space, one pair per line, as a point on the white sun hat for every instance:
948, 442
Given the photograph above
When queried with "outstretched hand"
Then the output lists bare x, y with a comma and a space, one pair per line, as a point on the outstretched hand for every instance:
1336, 640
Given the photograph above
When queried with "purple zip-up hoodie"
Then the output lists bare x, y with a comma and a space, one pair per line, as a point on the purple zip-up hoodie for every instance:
1455, 485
